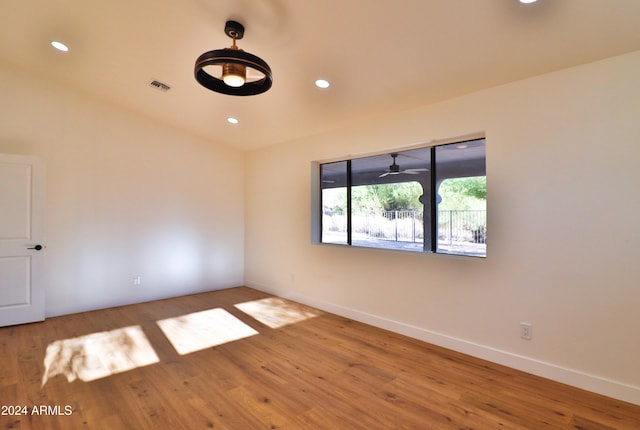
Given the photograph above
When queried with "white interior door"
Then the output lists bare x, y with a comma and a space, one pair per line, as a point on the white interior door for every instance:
21, 235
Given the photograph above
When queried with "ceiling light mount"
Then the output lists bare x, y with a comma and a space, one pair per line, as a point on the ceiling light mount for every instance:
238, 73
234, 30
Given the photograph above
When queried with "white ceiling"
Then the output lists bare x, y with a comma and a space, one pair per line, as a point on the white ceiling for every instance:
380, 56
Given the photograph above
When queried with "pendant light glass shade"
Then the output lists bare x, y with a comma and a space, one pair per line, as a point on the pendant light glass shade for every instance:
234, 75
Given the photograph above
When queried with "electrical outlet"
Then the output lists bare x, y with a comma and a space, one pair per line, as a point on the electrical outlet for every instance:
137, 280
526, 330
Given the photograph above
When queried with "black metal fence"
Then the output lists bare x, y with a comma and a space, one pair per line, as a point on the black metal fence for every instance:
454, 226
462, 226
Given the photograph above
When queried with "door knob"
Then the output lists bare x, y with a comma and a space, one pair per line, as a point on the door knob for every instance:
37, 247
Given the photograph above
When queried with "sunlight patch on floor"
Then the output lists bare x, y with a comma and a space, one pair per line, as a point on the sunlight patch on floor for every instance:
275, 312
201, 330
98, 355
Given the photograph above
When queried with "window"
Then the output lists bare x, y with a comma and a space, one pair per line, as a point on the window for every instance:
429, 199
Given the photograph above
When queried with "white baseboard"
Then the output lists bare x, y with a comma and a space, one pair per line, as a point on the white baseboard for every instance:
142, 297
585, 381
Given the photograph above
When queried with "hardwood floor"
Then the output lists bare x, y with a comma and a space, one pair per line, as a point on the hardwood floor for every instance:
319, 372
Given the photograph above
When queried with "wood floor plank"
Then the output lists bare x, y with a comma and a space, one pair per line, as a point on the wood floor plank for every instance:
320, 372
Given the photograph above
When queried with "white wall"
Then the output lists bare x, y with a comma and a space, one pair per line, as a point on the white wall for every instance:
563, 232
126, 197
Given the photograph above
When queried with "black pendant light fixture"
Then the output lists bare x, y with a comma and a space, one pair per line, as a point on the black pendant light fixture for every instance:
241, 73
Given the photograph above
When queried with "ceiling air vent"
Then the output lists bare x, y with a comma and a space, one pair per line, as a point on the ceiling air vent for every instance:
159, 85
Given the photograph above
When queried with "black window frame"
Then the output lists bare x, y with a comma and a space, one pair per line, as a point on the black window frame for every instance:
429, 248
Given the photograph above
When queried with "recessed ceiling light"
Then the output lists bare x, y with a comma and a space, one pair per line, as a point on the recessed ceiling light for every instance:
527, 1
322, 83
232, 120
59, 46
